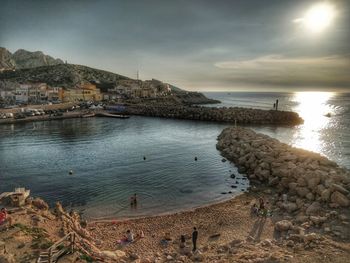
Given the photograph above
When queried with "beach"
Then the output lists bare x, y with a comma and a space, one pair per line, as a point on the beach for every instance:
228, 232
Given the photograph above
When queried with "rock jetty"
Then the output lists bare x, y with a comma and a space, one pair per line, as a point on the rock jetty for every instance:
232, 114
310, 189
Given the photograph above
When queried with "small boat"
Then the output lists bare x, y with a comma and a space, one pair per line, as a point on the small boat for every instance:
112, 115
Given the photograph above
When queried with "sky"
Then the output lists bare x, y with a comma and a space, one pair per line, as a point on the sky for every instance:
196, 45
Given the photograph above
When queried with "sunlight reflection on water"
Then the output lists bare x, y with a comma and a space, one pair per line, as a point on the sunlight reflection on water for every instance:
312, 107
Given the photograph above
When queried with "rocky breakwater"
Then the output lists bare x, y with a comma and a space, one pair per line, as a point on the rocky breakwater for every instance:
232, 114
310, 193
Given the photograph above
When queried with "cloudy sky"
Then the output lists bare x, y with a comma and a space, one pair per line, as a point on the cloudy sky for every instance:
196, 45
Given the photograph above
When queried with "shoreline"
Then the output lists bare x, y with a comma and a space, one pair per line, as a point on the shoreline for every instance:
236, 115
178, 211
309, 225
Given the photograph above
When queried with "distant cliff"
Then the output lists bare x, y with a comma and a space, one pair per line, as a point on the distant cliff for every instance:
25, 59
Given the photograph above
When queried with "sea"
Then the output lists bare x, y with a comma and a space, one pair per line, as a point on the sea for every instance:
172, 165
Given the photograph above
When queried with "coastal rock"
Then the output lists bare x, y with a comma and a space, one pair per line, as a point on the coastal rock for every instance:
340, 199
114, 255
40, 204
318, 220
290, 207
302, 191
314, 208
339, 188
325, 195
283, 225
311, 237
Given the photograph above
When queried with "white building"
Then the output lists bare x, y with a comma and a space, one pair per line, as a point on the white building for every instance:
22, 93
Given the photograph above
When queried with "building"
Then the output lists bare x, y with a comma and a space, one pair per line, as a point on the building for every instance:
8, 96
55, 94
84, 92
22, 93
37, 92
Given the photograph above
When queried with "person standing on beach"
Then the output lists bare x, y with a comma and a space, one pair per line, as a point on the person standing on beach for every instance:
194, 238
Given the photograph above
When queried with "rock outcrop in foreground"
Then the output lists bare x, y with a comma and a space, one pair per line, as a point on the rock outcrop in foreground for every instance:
238, 115
314, 191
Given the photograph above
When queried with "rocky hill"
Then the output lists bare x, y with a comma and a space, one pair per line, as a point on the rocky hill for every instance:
6, 60
25, 59
63, 75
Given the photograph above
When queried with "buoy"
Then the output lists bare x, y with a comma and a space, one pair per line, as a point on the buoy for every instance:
144, 157
71, 172
195, 158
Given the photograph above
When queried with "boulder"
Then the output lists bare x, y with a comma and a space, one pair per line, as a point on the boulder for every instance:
283, 225
273, 181
114, 255
314, 208
339, 188
302, 191
339, 199
40, 204
290, 207
325, 195
310, 196
318, 220
311, 237
313, 182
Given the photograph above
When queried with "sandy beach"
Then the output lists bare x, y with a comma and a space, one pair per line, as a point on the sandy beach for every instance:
228, 232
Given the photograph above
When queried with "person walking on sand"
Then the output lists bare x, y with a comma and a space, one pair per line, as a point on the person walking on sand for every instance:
194, 238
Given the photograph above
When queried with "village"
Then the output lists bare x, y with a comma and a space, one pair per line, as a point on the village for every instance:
12, 94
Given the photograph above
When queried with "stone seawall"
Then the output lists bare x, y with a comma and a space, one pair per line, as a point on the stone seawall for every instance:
238, 115
309, 189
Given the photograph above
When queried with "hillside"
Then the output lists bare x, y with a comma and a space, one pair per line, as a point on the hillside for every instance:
64, 75
25, 59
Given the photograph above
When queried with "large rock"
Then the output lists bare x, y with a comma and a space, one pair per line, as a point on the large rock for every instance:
339, 188
339, 199
283, 225
325, 195
314, 208
313, 182
40, 204
302, 191
115, 255
290, 207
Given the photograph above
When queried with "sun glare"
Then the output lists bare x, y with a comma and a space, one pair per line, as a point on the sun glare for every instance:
313, 108
318, 17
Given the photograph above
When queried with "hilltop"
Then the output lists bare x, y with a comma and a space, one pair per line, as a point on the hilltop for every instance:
64, 75
25, 59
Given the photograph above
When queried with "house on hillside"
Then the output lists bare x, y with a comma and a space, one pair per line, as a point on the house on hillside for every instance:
84, 92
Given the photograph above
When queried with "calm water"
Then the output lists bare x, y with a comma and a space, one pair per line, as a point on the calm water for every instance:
106, 156
329, 136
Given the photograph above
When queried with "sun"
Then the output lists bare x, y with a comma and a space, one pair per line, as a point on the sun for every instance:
318, 17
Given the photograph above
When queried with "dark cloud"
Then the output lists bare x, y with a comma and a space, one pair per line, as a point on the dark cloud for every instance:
182, 42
